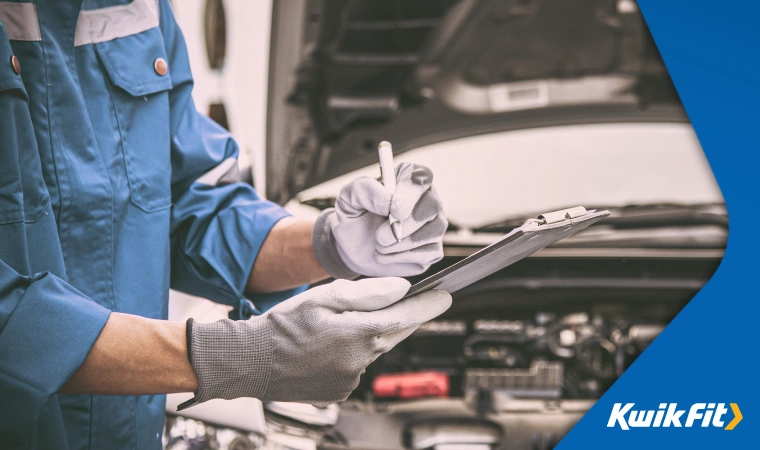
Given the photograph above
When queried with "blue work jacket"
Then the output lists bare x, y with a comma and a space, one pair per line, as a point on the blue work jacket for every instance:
112, 190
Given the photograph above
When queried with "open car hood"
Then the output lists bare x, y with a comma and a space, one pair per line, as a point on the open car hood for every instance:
347, 74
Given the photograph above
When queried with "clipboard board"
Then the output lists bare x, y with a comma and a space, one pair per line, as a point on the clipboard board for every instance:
519, 243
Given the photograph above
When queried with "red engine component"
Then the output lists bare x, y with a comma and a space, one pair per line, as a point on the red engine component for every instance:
411, 385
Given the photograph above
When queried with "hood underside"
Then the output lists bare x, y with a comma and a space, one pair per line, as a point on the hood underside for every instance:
347, 74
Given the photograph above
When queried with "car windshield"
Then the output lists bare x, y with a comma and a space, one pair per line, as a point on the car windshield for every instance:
484, 179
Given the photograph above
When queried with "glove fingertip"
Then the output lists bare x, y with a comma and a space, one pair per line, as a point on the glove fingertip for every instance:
384, 235
401, 209
364, 194
437, 302
398, 285
401, 167
442, 297
393, 287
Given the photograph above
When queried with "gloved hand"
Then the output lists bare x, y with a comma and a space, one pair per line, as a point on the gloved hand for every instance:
355, 237
311, 348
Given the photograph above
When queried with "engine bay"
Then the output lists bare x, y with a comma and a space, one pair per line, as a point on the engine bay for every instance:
544, 328
574, 354
516, 361
519, 357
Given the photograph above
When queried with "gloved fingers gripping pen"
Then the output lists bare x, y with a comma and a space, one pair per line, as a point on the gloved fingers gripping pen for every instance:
368, 194
363, 195
427, 217
312, 348
412, 182
388, 175
428, 234
348, 241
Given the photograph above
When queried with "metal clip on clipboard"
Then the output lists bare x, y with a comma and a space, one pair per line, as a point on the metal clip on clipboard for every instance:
558, 216
532, 236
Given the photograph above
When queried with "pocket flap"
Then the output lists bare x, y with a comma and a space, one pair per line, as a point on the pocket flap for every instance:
130, 62
9, 79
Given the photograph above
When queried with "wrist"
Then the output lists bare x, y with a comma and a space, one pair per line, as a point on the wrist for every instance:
230, 358
326, 248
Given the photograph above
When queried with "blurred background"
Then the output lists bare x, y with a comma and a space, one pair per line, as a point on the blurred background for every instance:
519, 107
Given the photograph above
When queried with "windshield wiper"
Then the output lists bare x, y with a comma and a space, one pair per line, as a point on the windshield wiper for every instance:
639, 216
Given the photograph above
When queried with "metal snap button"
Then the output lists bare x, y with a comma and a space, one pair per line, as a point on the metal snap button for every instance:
16, 65
160, 66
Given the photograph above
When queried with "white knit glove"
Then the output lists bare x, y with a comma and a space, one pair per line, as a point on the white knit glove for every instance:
355, 237
311, 348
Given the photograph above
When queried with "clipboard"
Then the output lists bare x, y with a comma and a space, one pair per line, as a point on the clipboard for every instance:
519, 243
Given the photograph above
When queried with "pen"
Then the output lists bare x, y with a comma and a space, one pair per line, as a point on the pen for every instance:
388, 175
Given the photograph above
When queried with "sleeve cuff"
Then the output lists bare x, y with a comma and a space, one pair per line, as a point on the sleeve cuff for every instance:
44, 342
224, 229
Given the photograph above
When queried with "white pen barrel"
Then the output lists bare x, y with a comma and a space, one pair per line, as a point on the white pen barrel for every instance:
387, 171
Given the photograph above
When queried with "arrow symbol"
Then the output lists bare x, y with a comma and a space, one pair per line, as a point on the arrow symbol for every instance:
737, 417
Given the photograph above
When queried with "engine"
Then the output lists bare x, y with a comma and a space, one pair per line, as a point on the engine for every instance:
515, 362
549, 356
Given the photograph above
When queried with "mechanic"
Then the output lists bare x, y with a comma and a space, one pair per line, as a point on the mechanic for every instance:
109, 177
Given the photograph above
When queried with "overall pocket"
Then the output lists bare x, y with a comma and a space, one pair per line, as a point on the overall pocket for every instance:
23, 194
137, 68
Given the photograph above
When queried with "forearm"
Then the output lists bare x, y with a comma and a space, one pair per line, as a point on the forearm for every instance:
286, 259
135, 356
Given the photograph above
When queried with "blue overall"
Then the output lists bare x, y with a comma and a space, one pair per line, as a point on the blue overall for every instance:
102, 191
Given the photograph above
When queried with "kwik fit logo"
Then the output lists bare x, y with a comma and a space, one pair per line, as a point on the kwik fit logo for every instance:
668, 415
